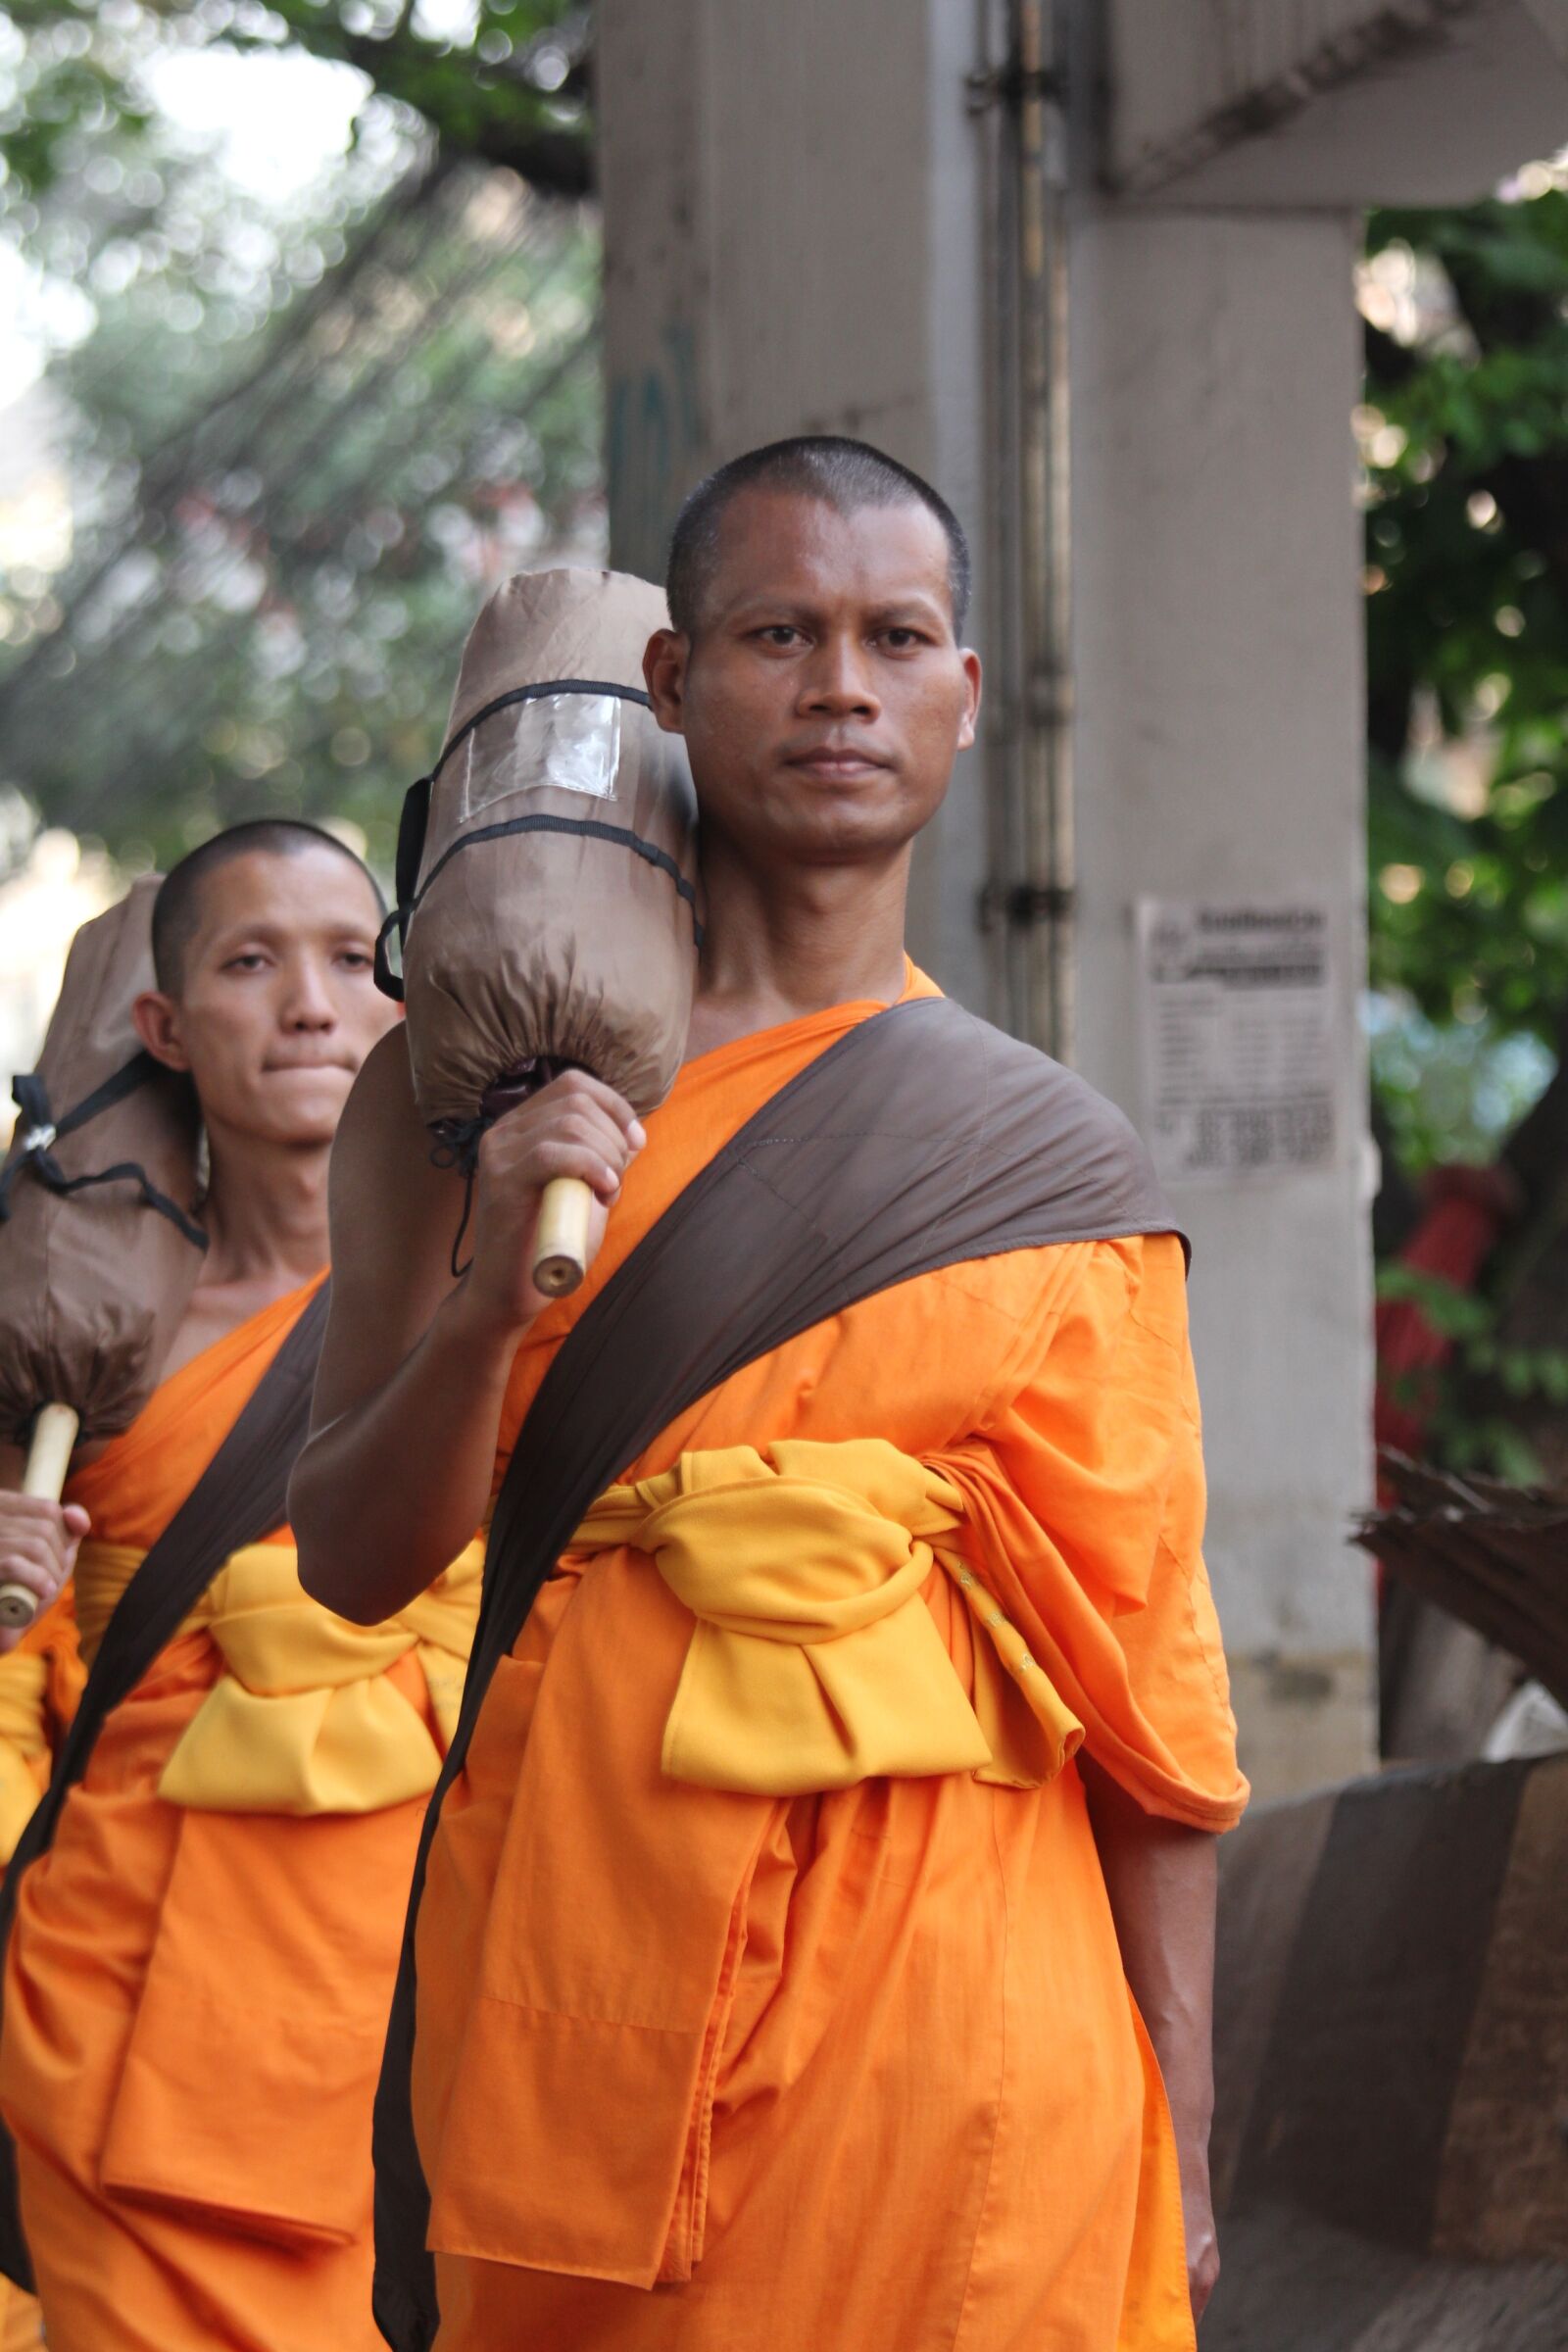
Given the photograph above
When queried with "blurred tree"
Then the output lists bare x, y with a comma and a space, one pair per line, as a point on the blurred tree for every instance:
501, 80
1464, 440
302, 436
286, 516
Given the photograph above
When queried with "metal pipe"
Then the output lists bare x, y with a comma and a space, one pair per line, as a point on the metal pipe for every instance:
1000, 564
1030, 893
1045, 491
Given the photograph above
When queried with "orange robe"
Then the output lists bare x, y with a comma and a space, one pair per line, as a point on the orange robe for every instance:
40, 1683
196, 2000
925, 2112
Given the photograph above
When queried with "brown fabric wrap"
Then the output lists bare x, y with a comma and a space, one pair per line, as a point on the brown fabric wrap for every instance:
576, 944
93, 1284
921, 1139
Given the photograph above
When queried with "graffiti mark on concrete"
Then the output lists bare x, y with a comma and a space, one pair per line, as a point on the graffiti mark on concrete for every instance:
653, 443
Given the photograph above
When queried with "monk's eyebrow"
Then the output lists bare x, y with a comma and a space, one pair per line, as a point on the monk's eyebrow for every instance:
232, 934
267, 935
763, 610
908, 610
770, 611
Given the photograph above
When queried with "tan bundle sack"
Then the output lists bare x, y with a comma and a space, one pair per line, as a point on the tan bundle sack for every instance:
547, 868
99, 1246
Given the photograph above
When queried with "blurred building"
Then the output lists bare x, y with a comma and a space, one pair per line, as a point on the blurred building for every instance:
1090, 267
56, 884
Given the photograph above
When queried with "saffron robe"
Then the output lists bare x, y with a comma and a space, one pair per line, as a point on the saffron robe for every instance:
927, 2113
195, 1998
40, 1683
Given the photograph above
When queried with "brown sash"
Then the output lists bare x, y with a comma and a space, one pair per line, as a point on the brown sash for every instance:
240, 1497
921, 1139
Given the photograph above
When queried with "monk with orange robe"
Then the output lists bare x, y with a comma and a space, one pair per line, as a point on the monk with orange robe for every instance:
814, 1947
200, 1964
40, 1683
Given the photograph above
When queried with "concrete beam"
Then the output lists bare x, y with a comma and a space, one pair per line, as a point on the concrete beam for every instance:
1303, 103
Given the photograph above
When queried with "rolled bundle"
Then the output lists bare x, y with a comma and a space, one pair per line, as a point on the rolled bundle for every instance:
99, 1246
546, 876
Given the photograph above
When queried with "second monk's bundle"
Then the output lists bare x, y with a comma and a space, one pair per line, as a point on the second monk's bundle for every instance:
99, 1246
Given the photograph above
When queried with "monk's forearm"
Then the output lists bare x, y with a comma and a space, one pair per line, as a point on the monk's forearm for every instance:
1162, 1882
388, 1493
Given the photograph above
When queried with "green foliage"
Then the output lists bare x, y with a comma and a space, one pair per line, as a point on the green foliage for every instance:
1465, 445
287, 517
301, 441
1449, 1090
1468, 1403
511, 90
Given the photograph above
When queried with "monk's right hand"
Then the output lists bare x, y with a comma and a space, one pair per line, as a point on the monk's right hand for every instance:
572, 1127
38, 1542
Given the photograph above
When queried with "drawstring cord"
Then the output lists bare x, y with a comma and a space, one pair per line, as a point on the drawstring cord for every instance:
457, 1141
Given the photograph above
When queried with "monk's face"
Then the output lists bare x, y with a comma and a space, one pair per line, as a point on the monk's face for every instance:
277, 1004
823, 697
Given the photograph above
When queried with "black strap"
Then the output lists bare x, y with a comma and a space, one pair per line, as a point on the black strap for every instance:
39, 1131
415, 819
921, 1139
593, 828
413, 823
30, 1092
241, 1497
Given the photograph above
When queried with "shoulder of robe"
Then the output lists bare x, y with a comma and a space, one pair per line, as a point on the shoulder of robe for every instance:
1084, 1156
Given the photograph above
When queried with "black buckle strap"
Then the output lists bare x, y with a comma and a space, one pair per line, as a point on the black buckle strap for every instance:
40, 1131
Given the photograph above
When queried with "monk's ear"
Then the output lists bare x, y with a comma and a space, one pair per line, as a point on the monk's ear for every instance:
971, 673
664, 674
156, 1020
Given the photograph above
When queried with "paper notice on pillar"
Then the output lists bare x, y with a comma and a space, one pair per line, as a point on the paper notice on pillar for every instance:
1240, 1016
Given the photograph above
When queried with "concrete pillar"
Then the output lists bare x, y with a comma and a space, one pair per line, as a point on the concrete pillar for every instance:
795, 240
792, 244
1219, 757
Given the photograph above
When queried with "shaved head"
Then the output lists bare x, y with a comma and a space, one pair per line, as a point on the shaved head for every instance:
178, 907
843, 475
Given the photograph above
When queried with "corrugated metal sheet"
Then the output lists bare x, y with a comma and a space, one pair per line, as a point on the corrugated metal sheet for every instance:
1494, 1556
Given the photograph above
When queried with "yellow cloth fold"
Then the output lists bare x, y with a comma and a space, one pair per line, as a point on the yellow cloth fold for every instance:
814, 1662
303, 1720
24, 1742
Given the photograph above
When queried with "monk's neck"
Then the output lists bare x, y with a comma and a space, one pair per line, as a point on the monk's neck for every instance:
780, 947
266, 1216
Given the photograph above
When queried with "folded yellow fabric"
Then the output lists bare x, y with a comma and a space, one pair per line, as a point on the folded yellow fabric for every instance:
24, 1742
814, 1662
303, 1720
